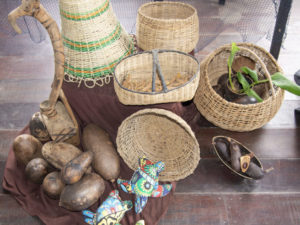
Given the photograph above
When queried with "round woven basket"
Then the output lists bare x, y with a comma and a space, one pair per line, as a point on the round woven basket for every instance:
167, 25
94, 41
156, 76
229, 115
160, 135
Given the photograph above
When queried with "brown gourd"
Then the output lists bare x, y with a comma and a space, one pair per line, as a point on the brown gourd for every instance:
59, 154
83, 194
106, 161
75, 169
255, 172
222, 147
26, 147
235, 154
53, 185
36, 170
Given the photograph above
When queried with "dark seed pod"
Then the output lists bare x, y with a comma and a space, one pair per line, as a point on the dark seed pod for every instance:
38, 128
36, 170
83, 194
26, 147
106, 160
75, 169
245, 165
255, 172
235, 154
223, 149
245, 100
53, 185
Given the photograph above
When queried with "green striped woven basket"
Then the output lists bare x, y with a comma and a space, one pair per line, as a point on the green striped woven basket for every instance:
94, 41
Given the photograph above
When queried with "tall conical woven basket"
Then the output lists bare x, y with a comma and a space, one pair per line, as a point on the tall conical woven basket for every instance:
229, 115
160, 135
94, 41
167, 25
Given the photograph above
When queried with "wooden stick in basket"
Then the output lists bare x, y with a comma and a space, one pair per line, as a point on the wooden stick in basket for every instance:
156, 67
35, 9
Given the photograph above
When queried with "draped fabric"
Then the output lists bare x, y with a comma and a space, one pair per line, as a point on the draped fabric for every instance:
101, 107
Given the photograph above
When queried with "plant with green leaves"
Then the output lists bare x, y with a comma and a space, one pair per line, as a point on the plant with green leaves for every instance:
277, 79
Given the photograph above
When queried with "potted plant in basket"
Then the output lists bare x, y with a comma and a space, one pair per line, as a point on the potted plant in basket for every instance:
242, 84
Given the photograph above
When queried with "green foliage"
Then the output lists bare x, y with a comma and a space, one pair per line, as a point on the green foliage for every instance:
234, 50
281, 81
250, 72
247, 87
277, 79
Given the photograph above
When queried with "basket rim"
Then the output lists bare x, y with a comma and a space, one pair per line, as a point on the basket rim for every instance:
167, 3
161, 92
227, 47
174, 118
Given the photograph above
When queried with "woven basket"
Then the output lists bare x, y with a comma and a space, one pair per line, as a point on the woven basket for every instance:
160, 135
229, 115
169, 65
167, 25
94, 41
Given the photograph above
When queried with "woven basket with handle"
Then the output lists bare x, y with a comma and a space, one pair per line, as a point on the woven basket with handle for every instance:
160, 135
167, 25
229, 115
156, 76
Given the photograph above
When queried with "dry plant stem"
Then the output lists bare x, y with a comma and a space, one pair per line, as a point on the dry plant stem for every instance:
35, 9
269, 170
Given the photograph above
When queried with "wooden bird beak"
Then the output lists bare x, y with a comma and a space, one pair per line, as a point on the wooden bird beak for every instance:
27, 8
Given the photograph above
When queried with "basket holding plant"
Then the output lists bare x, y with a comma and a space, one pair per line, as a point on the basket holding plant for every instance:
242, 84
237, 91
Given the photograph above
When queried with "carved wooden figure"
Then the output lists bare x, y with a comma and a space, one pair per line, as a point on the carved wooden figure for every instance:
57, 115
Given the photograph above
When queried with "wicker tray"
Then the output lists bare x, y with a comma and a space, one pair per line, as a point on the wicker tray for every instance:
229, 115
160, 135
156, 71
167, 25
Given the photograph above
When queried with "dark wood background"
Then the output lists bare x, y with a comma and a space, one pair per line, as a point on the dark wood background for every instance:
212, 195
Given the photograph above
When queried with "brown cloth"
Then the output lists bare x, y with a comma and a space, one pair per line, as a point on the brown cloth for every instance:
101, 107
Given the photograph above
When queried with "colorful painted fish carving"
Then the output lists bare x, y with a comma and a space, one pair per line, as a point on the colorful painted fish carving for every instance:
144, 183
110, 212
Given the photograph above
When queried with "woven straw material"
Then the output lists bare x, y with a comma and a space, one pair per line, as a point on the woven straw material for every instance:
232, 116
140, 67
159, 135
94, 41
167, 25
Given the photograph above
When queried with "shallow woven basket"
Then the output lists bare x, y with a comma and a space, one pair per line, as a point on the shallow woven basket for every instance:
168, 64
94, 41
167, 25
229, 115
160, 135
